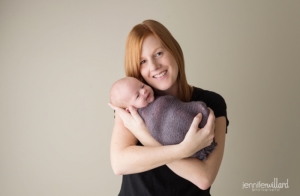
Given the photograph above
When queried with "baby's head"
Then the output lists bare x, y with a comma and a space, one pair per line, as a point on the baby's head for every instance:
130, 91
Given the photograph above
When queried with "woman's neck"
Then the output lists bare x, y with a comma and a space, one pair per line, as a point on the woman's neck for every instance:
171, 91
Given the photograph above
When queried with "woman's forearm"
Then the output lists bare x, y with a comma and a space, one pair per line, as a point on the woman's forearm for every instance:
203, 173
136, 159
128, 158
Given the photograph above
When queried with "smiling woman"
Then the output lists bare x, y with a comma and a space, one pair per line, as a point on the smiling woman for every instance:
148, 168
158, 67
140, 38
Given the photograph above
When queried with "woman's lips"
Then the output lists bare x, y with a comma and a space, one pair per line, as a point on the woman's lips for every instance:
161, 74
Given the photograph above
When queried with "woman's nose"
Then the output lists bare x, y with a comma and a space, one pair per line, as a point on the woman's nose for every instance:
154, 65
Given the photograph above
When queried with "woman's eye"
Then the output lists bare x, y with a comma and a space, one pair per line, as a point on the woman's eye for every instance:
142, 62
158, 54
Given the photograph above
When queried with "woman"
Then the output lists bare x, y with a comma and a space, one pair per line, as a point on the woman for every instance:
148, 168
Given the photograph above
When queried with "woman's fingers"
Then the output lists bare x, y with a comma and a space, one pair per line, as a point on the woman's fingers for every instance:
194, 126
196, 121
211, 120
193, 140
196, 138
130, 117
135, 114
208, 129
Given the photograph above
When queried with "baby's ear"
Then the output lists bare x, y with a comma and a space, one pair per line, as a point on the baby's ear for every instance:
127, 109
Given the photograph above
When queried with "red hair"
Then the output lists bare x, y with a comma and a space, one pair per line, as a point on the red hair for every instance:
133, 53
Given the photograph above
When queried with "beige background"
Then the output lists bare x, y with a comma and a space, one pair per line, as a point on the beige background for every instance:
58, 60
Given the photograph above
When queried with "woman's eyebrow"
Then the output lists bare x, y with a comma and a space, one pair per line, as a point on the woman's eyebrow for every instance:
154, 51
159, 48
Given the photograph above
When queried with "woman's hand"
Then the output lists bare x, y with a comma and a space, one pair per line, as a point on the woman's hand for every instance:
130, 117
196, 138
132, 120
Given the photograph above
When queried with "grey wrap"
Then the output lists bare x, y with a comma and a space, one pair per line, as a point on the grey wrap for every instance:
168, 120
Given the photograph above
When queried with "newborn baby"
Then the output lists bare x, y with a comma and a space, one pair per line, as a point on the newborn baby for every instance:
167, 118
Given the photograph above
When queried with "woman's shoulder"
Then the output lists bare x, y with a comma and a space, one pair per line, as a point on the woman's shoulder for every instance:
212, 99
200, 94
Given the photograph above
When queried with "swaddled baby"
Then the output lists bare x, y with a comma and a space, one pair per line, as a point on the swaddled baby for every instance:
167, 118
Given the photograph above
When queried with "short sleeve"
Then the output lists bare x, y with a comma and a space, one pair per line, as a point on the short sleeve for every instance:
213, 100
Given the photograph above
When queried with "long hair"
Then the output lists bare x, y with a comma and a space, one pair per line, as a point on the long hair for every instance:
133, 53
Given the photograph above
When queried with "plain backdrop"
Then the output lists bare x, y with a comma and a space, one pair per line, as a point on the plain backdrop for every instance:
58, 60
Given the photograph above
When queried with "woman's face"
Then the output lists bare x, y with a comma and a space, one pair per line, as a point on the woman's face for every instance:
158, 67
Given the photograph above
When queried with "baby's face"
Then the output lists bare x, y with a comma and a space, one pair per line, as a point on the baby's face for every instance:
138, 94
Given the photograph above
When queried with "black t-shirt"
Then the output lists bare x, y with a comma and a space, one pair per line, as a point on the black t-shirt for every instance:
162, 181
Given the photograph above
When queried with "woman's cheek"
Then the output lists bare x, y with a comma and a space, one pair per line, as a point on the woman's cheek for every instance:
145, 74
142, 70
